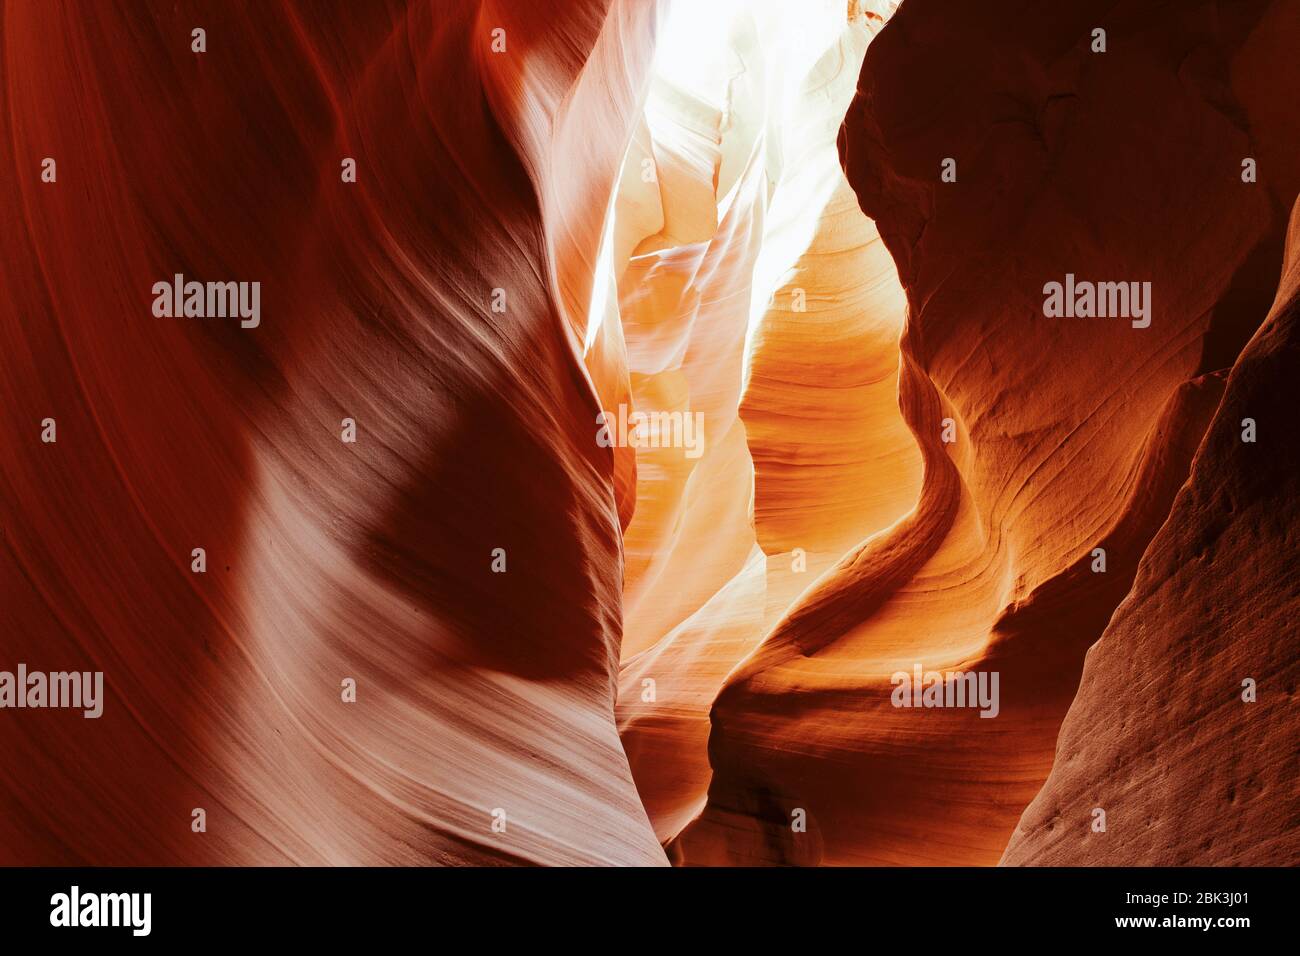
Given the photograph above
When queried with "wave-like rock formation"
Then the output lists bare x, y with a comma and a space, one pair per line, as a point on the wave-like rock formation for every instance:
437, 302
641, 394
1043, 439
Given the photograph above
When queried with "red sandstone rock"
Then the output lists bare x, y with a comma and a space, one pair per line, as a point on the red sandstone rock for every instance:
476, 691
1069, 434
905, 463
1184, 728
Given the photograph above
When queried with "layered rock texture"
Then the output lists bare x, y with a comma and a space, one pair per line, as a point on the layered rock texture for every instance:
661, 391
1186, 772
998, 532
482, 729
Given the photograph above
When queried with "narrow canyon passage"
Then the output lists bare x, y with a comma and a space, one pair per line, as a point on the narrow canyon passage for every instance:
984, 510
712, 432
754, 295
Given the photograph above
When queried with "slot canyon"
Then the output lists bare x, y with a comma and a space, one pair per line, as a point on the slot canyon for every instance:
656, 442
